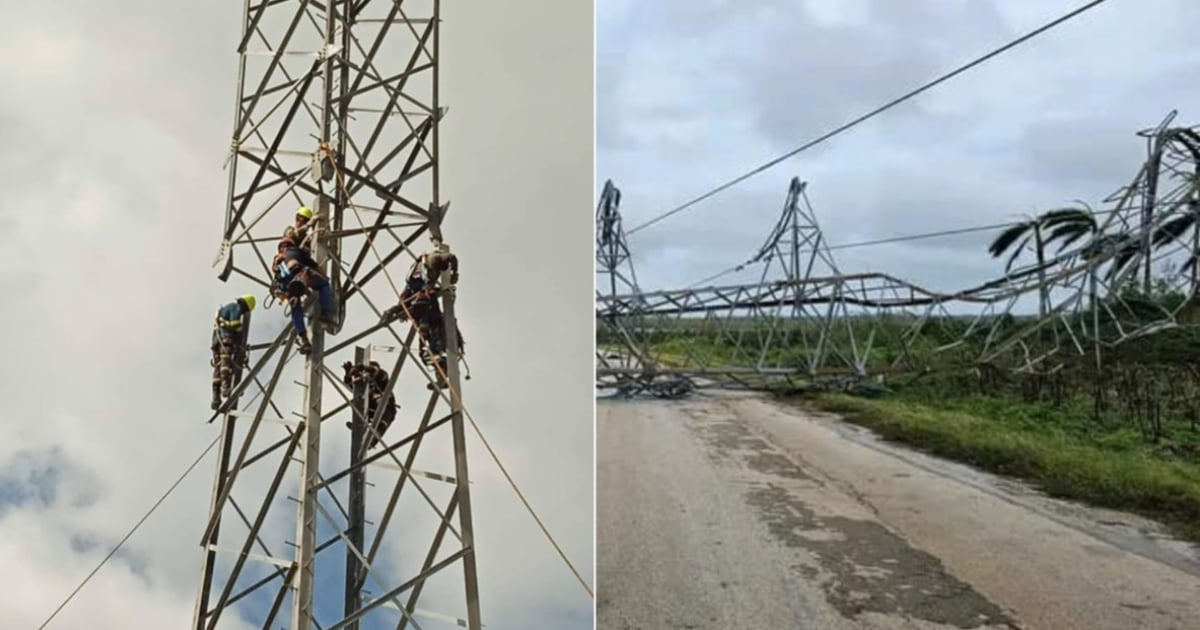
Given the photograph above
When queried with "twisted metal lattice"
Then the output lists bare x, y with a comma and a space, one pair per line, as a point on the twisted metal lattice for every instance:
1130, 270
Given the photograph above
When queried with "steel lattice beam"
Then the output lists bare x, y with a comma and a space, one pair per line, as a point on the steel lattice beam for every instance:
337, 109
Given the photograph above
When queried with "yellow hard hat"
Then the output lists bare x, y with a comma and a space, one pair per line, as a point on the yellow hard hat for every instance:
305, 212
249, 300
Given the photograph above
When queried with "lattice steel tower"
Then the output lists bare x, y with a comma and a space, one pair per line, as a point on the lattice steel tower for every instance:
337, 109
615, 275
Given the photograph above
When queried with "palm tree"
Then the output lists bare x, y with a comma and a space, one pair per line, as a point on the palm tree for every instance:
1065, 226
1019, 238
1068, 225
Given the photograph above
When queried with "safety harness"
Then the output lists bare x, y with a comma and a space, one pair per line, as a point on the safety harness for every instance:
290, 277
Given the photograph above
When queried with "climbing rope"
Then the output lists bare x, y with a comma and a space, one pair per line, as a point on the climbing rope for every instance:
455, 396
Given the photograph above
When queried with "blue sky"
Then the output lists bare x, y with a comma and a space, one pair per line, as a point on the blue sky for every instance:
692, 94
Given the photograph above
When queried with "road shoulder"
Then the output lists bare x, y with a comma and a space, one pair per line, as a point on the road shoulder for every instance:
1050, 574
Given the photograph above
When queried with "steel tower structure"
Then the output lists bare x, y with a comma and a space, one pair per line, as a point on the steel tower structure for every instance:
615, 275
337, 109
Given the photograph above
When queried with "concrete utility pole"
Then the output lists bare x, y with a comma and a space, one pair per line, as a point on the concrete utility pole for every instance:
337, 110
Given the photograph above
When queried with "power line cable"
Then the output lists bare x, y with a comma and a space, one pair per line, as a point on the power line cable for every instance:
129, 535
871, 114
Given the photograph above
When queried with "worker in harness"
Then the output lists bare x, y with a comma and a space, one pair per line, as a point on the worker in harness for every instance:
299, 231
376, 380
297, 274
422, 285
289, 255
418, 302
295, 237
431, 327
414, 299
229, 345
439, 261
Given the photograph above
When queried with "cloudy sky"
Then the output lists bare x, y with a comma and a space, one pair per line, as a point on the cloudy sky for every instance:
694, 93
115, 126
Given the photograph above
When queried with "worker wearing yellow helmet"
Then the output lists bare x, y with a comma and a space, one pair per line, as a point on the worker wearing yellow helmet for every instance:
229, 345
299, 231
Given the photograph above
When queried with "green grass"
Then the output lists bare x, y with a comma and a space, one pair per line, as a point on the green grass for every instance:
1061, 455
1071, 420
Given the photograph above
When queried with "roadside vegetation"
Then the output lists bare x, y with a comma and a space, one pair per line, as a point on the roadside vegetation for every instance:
1057, 448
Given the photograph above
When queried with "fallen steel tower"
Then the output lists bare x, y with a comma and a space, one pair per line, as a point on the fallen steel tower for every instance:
805, 321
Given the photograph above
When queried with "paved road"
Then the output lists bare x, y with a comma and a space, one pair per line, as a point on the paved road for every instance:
731, 511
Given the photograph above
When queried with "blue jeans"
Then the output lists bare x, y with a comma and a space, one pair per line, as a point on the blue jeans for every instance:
324, 299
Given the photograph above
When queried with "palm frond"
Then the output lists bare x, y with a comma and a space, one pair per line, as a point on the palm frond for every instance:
1068, 233
1061, 216
1016, 253
1007, 238
1085, 206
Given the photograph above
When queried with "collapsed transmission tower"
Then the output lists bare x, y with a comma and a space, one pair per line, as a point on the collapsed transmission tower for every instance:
613, 262
337, 109
620, 351
806, 320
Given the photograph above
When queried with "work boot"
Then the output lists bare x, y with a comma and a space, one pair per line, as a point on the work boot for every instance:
305, 346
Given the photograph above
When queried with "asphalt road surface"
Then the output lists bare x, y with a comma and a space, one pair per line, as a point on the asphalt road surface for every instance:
733, 511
